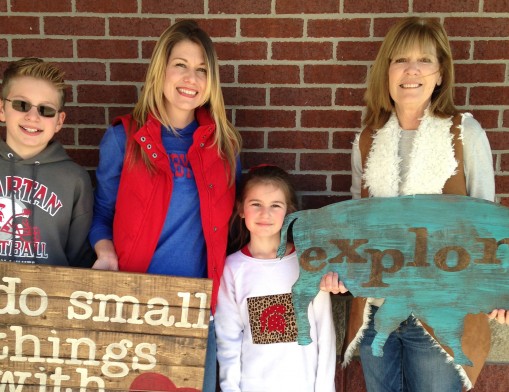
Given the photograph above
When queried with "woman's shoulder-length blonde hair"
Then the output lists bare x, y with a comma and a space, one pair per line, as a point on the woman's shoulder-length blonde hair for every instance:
408, 33
152, 100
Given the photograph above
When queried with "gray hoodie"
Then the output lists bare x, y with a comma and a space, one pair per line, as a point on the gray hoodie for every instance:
45, 208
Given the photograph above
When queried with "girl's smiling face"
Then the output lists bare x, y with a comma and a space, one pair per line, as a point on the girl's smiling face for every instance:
413, 76
185, 82
264, 210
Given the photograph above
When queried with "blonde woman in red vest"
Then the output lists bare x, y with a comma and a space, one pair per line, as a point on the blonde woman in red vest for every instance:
416, 142
166, 175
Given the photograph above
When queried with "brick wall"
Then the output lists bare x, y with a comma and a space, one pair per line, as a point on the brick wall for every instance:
293, 71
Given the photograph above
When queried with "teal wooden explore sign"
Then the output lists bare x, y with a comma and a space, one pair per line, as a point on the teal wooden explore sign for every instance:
436, 256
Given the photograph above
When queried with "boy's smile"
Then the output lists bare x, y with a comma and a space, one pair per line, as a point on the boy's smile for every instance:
29, 133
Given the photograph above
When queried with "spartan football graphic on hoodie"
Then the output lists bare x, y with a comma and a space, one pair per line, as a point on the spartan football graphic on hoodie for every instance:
45, 208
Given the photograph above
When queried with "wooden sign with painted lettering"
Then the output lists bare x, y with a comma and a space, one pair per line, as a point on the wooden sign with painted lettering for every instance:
67, 330
436, 256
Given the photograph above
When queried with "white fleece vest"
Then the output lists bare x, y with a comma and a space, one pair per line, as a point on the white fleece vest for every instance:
431, 163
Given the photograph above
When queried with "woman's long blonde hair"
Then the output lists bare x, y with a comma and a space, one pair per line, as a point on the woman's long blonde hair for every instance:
152, 100
406, 34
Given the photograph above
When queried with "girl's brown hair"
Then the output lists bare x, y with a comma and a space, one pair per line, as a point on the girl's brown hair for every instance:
263, 174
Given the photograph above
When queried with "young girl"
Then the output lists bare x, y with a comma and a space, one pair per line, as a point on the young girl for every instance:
255, 323
166, 175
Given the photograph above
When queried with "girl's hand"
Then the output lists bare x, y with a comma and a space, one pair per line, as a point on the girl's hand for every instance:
330, 282
501, 315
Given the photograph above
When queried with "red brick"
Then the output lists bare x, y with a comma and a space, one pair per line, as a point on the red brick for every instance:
307, 7
147, 47
289, 96
331, 119
489, 95
3, 5
365, 51
479, 73
252, 139
88, 157
382, 25
487, 118
45, 47
240, 7
272, 28
241, 50
309, 182
41, 6
127, 72
90, 137
218, 27
501, 186
373, 7
298, 140
460, 96
275, 74
341, 182
505, 123
176, 7
505, 202
265, 118
107, 94
504, 164
312, 202
491, 50
460, 49
66, 136
325, 161
302, 50
347, 96
138, 27
244, 96
75, 25
82, 115
13, 25
496, 6
498, 140
115, 111
343, 140
446, 6
334, 74
477, 27
339, 27
3, 48
107, 49
284, 160
107, 7
227, 73
83, 71
69, 95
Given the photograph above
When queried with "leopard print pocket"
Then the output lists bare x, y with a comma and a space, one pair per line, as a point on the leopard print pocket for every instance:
272, 319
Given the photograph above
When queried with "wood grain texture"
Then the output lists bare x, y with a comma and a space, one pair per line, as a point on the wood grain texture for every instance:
73, 329
438, 257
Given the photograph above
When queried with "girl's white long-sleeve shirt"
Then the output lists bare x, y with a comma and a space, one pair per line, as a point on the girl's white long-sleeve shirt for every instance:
256, 330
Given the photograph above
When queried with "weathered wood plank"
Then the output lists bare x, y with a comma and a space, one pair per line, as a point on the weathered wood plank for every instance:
72, 329
439, 257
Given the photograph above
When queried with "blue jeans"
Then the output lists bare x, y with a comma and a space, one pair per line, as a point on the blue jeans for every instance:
410, 363
210, 377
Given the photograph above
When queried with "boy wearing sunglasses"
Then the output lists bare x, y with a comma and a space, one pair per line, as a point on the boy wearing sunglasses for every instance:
45, 198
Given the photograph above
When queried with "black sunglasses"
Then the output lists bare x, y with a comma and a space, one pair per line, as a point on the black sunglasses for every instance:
24, 107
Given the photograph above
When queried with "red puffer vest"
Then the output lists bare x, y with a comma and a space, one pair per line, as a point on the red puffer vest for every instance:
144, 198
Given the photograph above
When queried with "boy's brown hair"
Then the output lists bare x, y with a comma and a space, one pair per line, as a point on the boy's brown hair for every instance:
35, 68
